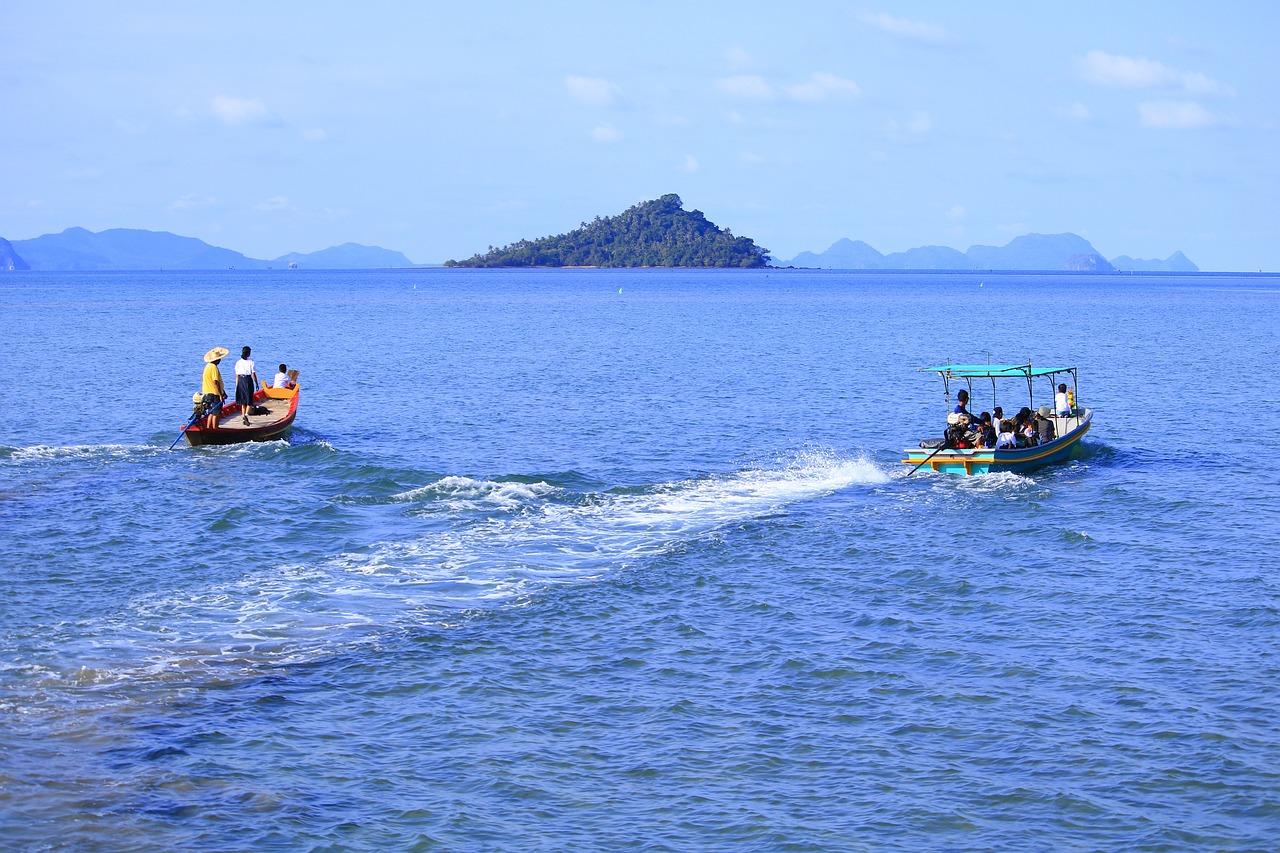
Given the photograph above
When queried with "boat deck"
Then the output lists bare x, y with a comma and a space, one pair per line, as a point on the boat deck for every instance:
278, 409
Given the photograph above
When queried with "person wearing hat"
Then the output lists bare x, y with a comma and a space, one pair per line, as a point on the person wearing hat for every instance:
211, 386
246, 384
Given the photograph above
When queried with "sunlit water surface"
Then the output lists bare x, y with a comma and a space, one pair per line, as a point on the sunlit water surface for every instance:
610, 560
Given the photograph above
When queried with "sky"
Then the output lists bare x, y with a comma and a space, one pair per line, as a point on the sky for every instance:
439, 129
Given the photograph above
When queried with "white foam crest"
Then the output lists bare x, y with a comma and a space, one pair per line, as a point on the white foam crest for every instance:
46, 453
293, 614
463, 491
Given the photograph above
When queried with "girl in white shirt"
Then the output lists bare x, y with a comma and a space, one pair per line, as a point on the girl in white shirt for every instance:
246, 384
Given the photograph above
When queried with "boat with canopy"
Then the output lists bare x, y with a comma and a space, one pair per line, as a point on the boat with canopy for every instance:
952, 457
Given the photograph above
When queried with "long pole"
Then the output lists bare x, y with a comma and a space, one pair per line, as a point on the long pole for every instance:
194, 418
945, 446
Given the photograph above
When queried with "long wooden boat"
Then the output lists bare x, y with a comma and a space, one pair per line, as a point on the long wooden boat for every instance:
1069, 429
282, 404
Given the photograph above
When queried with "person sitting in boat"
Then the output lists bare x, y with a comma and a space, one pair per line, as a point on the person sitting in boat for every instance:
997, 415
1030, 436
282, 379
1061, 402
1023, 430
962, 405
958, 434
986, 431
1044, 425
211, 387
1007, 439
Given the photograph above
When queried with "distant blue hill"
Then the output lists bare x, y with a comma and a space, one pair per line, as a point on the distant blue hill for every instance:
133, 249
348, 256
9, 259
1177, 262
1038, 252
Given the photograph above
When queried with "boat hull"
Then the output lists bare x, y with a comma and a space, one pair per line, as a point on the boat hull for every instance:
976, 461
284, 405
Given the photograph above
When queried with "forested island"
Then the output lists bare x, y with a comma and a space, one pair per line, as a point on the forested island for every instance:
657, 233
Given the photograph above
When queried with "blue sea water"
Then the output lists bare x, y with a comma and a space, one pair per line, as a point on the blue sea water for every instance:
599, 560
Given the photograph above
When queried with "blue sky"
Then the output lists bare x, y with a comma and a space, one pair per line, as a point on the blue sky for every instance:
438, 129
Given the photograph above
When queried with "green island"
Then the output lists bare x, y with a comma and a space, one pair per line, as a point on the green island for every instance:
657, 233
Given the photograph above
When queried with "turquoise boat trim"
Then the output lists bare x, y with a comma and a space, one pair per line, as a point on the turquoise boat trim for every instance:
994, 371
985, 461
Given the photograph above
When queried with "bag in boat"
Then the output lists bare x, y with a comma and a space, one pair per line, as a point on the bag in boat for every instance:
259, 410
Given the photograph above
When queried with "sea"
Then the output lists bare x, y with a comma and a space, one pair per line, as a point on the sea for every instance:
629, 560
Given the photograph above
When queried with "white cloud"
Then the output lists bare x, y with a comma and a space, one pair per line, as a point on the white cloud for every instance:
1180, 115
605, 133
821, 86
920, 123
1075, 112
278, 202
738, 58
916, 31
1138, 72
593, 91
238, 111
691, 164
749, 87
190, 202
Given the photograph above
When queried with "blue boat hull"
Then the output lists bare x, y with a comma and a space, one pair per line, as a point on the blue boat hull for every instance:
1014, 460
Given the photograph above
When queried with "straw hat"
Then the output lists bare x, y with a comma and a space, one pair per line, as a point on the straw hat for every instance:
216, 353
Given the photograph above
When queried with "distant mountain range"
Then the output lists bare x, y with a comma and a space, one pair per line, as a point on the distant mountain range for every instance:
1042, 252
131, 249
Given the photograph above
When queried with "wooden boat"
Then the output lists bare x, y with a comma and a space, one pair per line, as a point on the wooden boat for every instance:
282, 404
1069, 429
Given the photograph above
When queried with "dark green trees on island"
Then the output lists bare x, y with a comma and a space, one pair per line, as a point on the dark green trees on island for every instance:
658, 233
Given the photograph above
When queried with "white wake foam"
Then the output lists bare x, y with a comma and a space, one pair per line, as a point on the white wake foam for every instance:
296, 613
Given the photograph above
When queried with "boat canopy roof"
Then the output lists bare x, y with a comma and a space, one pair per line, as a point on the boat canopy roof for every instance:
994, 371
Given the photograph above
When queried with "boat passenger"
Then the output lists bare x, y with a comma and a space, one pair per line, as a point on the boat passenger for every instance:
986, 431
1061, 403
957, 434
997, 415
246, 384
1020, 422
1044, 425
1030, 435
962, 405
282, 379
1007, 438
211, 387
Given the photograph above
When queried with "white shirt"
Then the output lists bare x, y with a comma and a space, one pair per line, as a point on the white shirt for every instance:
244, 367
281, 381
1060, 402
1007, 439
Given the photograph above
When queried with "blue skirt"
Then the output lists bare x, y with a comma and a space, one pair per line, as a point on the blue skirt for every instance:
244, 392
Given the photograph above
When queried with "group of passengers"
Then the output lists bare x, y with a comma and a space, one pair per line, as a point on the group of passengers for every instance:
993, 430
208, 403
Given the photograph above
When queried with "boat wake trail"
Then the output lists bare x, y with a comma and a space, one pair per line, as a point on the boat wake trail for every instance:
499, 543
